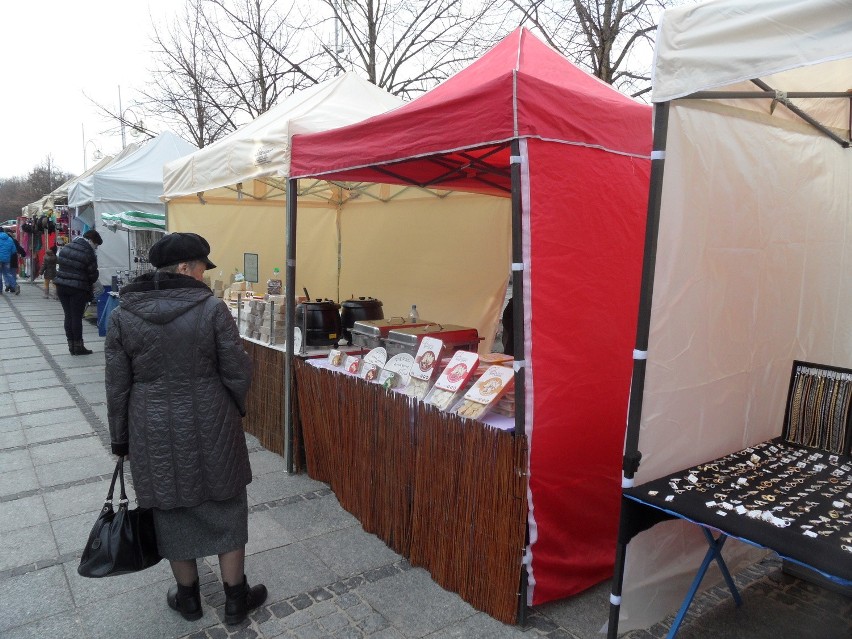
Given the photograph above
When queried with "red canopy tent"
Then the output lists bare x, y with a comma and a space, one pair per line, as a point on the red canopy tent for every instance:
574, 154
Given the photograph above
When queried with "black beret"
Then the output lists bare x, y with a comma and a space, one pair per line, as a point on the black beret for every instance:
180, 247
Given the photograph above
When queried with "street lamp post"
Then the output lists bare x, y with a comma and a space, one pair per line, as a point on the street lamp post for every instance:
96, 155
135, 129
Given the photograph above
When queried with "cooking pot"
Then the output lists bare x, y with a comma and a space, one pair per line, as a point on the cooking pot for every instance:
320, 322
358, 310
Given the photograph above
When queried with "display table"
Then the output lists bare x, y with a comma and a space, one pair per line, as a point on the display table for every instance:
449, 494
789, 498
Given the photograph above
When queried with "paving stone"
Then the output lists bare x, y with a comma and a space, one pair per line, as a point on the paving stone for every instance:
27, 545
33, 596
281, 609
22, 513
48, 432
348, 633
349, 551
310, 631
73, 469
288, 571
12, 439
12, 460
373, 623
333, 622
18, 481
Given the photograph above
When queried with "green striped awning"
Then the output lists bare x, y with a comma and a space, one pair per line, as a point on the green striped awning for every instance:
136, 221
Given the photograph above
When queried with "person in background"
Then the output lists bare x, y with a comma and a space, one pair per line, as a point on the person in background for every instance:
48, 269
9, 252
177, 377
77, 273
508, 320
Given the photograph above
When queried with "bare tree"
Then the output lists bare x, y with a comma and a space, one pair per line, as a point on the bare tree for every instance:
406, 46
17, 192
185, 92
257, 53
612, 39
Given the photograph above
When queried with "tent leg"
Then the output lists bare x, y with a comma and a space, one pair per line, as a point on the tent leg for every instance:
615, 596
714, 552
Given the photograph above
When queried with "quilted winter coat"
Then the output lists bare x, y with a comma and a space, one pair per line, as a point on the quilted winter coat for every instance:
176, 383
78, 265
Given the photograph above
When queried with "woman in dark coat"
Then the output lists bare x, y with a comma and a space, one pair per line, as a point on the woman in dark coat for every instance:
176, 380
76, 275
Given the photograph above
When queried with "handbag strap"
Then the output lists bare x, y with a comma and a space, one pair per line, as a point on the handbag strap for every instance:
118, 473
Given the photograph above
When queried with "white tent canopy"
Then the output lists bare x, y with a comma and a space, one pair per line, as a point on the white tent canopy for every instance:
136, 182
261, 148
133, 181
80, 190
753, 250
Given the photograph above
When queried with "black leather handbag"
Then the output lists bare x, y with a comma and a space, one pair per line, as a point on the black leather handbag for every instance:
121, 540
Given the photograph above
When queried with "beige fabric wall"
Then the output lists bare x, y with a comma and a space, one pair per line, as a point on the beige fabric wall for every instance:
234, 228
450, 255
753, 263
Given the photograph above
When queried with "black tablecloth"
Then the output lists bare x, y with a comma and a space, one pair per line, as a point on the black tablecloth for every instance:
791, 499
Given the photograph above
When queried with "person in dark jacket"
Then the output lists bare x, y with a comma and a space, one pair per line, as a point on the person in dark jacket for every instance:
76, 275
177, 377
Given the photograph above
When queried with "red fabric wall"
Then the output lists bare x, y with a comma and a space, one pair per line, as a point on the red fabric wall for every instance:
586, 236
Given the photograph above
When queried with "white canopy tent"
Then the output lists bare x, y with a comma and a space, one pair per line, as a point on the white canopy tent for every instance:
753, 227
261, 148
80, 190
134, 182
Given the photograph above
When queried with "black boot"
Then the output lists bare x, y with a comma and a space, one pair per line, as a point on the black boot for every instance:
186, 600
241, 599
81, 348
72, 347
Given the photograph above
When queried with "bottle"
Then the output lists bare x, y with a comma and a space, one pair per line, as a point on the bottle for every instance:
413, 315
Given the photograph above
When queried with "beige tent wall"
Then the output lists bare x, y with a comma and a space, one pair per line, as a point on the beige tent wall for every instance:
753, 263
451, 256
449, 253
235, 227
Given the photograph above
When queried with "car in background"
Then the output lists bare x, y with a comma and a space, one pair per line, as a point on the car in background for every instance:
10, 225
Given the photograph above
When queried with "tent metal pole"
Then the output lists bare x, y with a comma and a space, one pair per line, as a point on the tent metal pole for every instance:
632, 455
290, 321
768, 94
794, 109
517, 161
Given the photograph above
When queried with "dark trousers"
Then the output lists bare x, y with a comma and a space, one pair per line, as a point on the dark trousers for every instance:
74, 303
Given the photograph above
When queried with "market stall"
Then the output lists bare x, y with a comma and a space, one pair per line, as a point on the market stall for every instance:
570, 157
132, 182
746, 270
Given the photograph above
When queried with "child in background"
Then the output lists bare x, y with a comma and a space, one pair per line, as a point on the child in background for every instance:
48, 269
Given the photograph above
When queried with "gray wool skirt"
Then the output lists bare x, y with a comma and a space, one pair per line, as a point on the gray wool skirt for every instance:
211, 528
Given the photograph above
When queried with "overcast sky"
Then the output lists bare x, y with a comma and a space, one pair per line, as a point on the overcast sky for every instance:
52, 52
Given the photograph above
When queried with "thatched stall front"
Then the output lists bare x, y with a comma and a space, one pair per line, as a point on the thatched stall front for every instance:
265, 402
447, 493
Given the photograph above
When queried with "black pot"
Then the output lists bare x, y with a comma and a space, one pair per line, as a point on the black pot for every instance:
319, 321
358, 310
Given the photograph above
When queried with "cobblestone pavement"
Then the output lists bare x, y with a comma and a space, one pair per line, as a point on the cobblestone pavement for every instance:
327, 578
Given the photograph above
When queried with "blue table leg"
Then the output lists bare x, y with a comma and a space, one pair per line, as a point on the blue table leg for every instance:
714, 552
